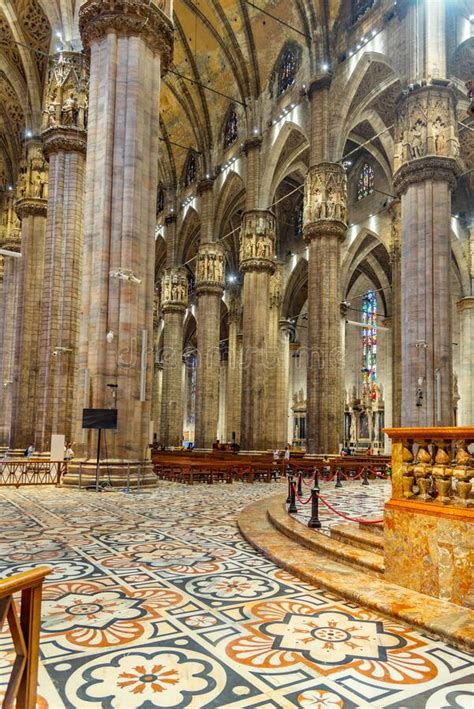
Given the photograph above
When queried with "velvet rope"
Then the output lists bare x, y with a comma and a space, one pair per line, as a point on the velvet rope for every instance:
350, 519
303, 502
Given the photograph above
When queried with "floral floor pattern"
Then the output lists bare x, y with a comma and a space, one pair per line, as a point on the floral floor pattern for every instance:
155, 600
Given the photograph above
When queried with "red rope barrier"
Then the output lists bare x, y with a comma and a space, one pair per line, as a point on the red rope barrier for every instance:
350, 519
299, 498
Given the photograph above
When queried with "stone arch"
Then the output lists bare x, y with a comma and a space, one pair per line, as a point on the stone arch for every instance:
188, 231
368, 255
291, 142
296, 291
359, 88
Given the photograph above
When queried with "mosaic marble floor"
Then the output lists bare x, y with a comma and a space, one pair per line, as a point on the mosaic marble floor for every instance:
353, 499
156, 601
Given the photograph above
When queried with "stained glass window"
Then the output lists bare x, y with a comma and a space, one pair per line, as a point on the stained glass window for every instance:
360, 7
190, 172
160, 200
299, 220
231, 129
365, 183
287, 70
369, 340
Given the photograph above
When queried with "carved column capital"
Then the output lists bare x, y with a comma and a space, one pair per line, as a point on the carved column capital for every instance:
32, 186
12, 241
174, 289
66, 100
31, 207
325, 201
146, 18
257, 241
426, 142
210, 269
68, 140
235, 310
394, 212
275, 290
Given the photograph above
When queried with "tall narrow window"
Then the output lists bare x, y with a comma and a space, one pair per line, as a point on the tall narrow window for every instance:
287, 70
299, 220
160, 200
365, 182
231, 129
369, 339
360, 7
190, 172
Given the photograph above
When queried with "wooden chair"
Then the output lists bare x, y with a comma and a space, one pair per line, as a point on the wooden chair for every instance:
25, 632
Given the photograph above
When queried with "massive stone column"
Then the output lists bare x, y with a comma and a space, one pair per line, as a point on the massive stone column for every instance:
31, 207
466, 361
278, 369
174, 298
234, 369
325, 220
11, 242
157, 371
425, 167
130, 44
257, 240
209, 290
395, 255
64, 144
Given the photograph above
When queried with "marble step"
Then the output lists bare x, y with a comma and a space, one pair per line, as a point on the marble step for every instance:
374, 529
437, 618
358, 537
316, 541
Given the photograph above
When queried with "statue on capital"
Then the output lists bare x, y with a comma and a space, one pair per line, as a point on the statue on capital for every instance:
70, 110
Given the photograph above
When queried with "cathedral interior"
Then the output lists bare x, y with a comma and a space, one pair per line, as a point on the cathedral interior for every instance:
236, 271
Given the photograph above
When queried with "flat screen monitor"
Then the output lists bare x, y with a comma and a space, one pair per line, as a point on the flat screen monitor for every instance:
99, 418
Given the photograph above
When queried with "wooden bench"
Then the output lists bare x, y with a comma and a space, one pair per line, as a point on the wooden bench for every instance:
25, 632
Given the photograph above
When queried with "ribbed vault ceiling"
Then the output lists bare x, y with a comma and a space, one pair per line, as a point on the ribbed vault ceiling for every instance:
227, 45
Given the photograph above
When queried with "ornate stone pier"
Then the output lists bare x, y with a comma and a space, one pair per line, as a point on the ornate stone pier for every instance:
209, 289
257, 240
174, 300
10, 240
130, 44
31, 208
325, 221
64, 145
425, 167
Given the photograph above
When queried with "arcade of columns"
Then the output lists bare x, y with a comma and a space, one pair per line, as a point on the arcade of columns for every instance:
82, 312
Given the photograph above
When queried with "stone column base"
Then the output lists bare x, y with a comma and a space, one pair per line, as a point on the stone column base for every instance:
131, 474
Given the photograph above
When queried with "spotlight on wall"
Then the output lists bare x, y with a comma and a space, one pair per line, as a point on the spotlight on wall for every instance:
325, 66
110, 337
29, 134
231, 278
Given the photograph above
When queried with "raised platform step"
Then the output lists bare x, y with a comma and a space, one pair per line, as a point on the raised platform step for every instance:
358, 537
374, 529
312, 539
438, 618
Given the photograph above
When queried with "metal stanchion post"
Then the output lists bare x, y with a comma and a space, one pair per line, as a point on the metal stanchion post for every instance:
288, 499
292, 509
314, 521
338, 478
300, 482
365, 477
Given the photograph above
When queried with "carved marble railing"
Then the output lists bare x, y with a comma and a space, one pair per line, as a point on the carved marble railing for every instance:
434, 465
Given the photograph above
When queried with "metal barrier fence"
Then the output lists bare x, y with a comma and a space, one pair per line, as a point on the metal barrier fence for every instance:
14, 473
